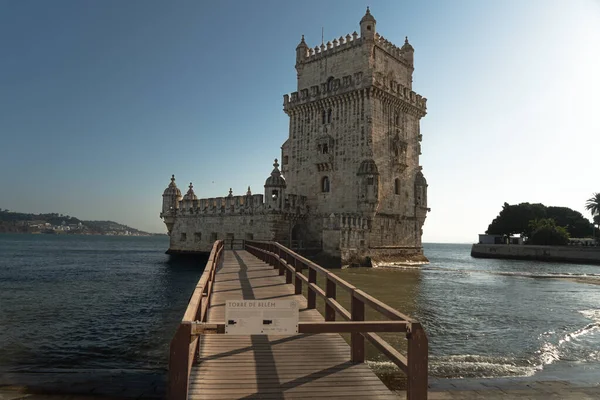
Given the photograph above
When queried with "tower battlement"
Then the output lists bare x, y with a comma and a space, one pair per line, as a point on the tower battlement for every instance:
332, 47
240, 205
349, 84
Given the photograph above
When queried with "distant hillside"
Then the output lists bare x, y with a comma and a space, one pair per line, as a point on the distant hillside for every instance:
15, 222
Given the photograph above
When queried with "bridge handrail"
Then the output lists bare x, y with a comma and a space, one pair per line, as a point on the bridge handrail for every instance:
291, 264
183, 345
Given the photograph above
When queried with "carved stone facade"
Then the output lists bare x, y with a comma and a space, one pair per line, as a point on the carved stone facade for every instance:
352, 182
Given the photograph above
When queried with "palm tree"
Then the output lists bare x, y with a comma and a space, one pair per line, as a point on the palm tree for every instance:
593, 206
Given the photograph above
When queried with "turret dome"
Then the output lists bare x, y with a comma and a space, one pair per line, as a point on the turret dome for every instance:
368, 167
407, 46
276, 179
190, 195
368, 17
302, 44
172, 189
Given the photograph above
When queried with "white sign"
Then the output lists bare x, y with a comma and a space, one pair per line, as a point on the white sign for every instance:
255, 317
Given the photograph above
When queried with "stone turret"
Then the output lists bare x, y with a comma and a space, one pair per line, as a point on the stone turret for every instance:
171, 198
190, 196
367, 26
301, 51
420, 190
408, 52
275, 188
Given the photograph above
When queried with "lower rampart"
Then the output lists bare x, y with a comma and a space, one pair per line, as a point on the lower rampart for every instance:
571, 254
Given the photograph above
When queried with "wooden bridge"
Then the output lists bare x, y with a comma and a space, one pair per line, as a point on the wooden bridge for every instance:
317, 362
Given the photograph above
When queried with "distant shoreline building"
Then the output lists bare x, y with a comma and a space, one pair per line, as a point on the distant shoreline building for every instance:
350, 180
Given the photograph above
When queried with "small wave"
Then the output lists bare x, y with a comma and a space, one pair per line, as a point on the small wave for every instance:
547, 275
548, 354
593, 314
467, 366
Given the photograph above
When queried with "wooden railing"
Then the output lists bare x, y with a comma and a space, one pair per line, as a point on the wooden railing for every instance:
184, 343
234, 244
292, 265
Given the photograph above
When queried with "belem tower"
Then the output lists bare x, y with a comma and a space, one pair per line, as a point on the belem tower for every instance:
349, 182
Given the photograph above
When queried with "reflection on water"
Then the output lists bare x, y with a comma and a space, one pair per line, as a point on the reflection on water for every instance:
77, 302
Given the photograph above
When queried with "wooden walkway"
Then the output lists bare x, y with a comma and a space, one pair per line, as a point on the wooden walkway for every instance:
273, 367
205, 363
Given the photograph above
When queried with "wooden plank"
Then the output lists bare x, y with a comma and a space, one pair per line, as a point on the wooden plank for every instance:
388, 350
417, 363
279, 367
357, 341
380, 306
351, 326
342, 283
316, 290
337, 307
179, 363
330, 294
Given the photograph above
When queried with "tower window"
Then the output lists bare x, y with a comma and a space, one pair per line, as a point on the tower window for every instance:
285, 159
397, 186
325, 184
274, 194
329, 116
197, 237
368, 27
330, 84
183, 237
324, 117
370, 181
397, 119
325, 148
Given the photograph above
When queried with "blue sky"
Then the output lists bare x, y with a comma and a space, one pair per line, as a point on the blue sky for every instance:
101, 101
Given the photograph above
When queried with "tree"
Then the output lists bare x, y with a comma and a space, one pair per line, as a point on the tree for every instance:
576, 224
546, 232
593, 204
515, 219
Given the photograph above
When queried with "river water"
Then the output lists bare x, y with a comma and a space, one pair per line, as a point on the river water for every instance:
72, 303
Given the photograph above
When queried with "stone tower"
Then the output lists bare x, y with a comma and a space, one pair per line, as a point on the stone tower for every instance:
354, 144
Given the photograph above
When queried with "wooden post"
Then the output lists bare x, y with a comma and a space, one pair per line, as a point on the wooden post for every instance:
297, 281
330, 292
312, 295
288, 273
417, 359
357, 341
285, 258
179, 363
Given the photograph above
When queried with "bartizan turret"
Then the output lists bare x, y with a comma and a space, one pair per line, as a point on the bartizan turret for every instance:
275, 189
171, 198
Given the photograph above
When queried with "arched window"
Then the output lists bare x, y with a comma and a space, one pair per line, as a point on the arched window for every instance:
397, 186
330, 84
397, 119
324, 117
329, 116
325, 184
